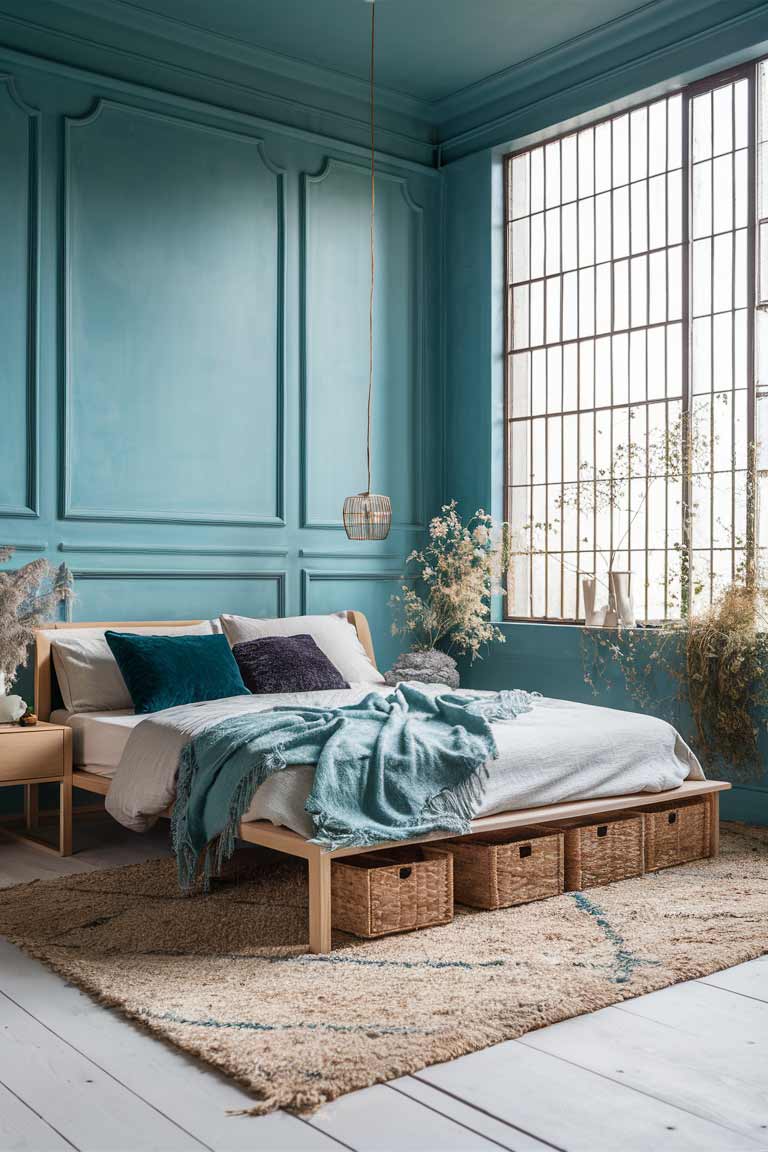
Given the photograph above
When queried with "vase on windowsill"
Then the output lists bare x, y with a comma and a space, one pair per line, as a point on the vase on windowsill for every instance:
619, 610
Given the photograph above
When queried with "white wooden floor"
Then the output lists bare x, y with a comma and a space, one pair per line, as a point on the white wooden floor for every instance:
682, 1069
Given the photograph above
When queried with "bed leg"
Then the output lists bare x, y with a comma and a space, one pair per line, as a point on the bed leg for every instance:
714, 823
319, 902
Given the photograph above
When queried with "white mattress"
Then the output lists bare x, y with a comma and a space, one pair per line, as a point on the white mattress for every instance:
559, 751
98, 738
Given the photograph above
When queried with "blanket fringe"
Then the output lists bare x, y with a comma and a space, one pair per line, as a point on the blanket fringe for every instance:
461, 802
219, 850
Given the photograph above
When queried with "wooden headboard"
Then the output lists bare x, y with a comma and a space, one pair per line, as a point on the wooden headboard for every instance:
44, 673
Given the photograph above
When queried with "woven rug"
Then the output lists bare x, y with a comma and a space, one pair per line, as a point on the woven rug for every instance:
227, 977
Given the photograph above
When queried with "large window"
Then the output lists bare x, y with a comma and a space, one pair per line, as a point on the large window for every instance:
632, 353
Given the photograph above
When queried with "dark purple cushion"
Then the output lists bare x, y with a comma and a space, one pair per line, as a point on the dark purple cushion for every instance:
286, 664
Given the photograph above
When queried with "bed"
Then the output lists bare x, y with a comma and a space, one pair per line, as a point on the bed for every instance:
141, 752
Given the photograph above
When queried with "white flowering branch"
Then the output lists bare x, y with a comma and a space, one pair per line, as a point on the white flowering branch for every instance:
458, 572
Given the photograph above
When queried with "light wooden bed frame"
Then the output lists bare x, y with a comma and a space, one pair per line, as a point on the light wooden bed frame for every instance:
319, 859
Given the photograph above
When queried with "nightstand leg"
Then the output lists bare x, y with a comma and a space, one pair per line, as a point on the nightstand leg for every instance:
31, 794
65, 793
65, 817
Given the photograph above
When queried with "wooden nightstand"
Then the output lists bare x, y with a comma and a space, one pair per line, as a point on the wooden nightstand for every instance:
33, 756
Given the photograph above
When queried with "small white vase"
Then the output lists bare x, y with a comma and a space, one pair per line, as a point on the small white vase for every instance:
621, 598
594, 615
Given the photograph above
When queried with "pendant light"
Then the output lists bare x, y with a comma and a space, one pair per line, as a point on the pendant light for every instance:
368, 516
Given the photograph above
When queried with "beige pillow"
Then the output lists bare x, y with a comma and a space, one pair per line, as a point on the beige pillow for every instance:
87, 672
334, 635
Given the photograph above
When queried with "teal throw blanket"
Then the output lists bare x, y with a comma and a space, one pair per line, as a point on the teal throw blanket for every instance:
387, 768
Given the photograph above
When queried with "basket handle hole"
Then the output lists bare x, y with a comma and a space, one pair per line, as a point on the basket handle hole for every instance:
526, 850
672, 818
602, 830
405, 873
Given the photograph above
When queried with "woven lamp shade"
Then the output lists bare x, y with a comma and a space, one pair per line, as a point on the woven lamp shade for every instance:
367, 516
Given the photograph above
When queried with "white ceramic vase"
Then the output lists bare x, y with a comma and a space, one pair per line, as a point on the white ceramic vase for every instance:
621, 599
594, 614
12, 708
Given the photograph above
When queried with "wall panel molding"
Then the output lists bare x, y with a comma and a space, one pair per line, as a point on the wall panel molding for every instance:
28, 546
70, 509
131, 574
355, 557
310, 576
29, 507
167, 550
309, 181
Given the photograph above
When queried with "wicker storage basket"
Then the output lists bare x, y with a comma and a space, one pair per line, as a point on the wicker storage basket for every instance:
505, 868
396, 890
599, 850
676, 832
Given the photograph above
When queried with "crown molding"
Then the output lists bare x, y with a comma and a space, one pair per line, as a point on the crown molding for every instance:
603, 37
664, 41
178, 31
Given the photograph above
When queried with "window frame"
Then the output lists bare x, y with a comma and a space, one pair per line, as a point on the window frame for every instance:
750, 72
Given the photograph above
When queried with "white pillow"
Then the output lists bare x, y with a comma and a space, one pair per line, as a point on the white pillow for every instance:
334, 635
87, 672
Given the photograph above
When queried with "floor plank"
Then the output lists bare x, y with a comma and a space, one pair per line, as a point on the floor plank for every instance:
720, 1082
23, 863
503, 1134
22, 1130
99, 843
379, 1119
182, 1089
750, 979
707, 1010
83, 1103
573, 1108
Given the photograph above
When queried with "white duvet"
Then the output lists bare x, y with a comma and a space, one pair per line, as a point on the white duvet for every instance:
557, 752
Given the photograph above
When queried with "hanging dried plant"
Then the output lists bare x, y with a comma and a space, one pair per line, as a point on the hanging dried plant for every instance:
28, 596
726, 660
715, 663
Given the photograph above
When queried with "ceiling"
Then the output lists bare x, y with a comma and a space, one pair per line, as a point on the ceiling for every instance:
427, 49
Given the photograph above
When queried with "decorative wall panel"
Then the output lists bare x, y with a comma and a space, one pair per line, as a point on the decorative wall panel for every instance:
169, 595
174, 322
335, 250
18, 302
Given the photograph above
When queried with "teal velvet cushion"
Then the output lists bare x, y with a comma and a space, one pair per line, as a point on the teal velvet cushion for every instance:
163, 671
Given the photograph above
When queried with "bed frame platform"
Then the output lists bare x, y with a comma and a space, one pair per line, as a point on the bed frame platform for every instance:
318, 859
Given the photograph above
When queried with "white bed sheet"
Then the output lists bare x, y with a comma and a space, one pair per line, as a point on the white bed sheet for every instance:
98, 738
559, 751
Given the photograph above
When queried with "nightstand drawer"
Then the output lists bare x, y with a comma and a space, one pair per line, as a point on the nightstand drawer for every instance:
29, 755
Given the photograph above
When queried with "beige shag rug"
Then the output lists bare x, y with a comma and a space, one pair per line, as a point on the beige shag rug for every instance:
227, 977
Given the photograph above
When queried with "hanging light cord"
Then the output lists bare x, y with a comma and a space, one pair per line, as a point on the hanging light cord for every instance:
373, 237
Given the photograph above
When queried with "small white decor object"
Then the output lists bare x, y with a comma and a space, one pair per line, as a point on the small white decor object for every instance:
12, 708
621, 598
594, 614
